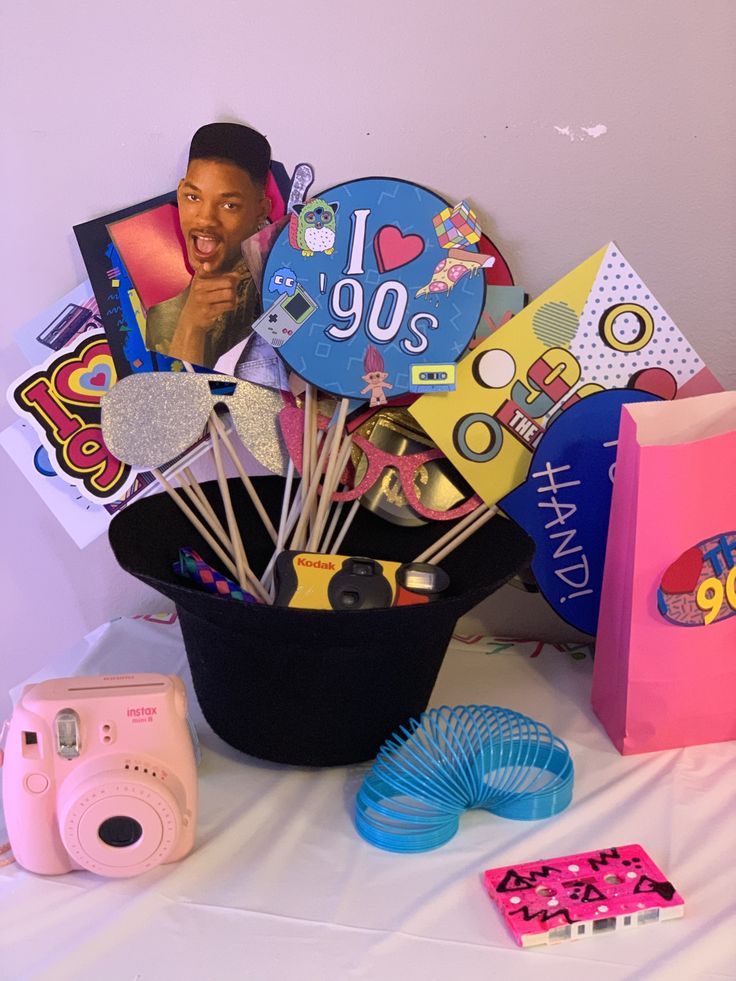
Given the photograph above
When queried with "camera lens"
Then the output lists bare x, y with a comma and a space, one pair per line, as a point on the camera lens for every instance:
349, 598
120, 831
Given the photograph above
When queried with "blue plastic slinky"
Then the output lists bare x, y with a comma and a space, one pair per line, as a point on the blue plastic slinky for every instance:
458, 759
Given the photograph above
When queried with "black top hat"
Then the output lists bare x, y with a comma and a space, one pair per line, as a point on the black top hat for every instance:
311, 687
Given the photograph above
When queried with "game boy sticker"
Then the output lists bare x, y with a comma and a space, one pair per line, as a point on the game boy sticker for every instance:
699, 588
367, 254
282, 320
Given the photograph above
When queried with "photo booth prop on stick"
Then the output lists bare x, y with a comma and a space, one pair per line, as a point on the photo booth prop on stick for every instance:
372, 291
120, 307
664, 672
565, 500
598, 328
136, 258
38, 442
150, 418
59, 325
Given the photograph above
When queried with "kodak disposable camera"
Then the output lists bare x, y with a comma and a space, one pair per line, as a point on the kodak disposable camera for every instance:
100, 774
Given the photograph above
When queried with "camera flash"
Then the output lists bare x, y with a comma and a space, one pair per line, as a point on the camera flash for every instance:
419, 581
67, 734
423, 577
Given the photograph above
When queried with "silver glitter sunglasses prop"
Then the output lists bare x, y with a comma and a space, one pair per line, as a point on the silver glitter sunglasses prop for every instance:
151, 418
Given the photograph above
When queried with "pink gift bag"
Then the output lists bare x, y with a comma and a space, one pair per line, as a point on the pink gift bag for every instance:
665, 662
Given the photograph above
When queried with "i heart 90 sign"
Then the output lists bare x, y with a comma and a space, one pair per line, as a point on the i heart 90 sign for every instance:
373, 277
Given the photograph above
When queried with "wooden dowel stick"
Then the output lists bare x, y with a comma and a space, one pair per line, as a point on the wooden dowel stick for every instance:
245, 479
298, 540
251, 584
450, 534
309, 442
344, 530
214, 419
471, 530
307, 436
327, 538
196, 496
232, 524
294, 513
318, 438
330, 480
328, 489
285, 504
248, 580
215, 522
314, 430
255, 587
245, 578
204, 532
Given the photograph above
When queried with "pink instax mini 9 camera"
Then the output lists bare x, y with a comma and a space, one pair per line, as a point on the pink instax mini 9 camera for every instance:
100, 774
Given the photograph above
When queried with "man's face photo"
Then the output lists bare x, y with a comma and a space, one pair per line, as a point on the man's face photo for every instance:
219, 206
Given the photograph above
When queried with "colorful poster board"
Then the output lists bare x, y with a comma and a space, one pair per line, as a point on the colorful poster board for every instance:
598, 328
361, 288
153, 251
120, 307
38, 442
136, 258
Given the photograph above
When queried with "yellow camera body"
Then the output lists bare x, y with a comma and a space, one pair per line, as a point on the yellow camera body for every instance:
311, 581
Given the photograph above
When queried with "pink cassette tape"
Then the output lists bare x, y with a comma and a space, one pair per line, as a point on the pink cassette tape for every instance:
581, 895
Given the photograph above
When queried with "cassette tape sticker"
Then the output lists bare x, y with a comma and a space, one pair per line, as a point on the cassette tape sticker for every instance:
432, 378
581, 895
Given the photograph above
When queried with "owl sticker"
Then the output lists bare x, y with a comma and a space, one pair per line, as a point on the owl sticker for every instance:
312, 227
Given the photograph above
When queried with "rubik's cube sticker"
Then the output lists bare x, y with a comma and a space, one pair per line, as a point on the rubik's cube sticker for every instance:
458, 226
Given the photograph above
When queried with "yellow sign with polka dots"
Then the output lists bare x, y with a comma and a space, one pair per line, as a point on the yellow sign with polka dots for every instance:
598, 328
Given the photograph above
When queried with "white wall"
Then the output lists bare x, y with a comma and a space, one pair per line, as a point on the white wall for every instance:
498, 101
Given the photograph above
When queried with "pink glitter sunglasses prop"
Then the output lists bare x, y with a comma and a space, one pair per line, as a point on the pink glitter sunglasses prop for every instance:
291, 420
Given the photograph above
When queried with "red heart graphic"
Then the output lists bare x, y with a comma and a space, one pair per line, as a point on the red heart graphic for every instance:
69, 373
682, 576
394, 249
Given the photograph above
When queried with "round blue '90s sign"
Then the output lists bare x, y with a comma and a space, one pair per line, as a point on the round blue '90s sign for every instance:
373, 277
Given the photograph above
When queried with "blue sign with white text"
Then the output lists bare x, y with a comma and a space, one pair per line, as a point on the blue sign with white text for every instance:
565, 502
372, 289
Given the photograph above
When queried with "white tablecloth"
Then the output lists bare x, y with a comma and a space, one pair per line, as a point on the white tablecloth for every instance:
281, 887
